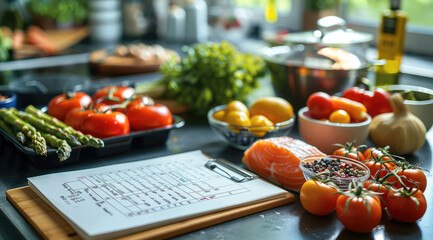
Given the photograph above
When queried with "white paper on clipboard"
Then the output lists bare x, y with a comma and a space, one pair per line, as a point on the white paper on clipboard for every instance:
120, 199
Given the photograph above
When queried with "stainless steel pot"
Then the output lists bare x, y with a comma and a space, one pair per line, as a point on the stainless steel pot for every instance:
323, 60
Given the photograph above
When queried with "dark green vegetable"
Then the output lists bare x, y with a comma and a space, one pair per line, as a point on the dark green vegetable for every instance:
211, 74
38, 142
6, 127
41, 125
63, 148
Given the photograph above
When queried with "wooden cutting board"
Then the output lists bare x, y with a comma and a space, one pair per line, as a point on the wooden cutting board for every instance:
104, 63
50, 225
63, 39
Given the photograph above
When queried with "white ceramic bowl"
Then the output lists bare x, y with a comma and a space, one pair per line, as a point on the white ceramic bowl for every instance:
422, 109
324, 134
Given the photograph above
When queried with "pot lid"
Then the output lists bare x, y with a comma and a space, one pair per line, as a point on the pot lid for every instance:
331, 31
328, 58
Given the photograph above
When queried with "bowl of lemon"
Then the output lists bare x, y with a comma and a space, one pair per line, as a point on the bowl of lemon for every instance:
241, 126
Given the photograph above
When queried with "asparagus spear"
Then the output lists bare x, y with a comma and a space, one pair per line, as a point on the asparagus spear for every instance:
63, 148
84, 139
38, 142
6, 127
21, 137
46, 127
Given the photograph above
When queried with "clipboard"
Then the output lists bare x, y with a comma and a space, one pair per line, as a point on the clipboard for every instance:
51, 225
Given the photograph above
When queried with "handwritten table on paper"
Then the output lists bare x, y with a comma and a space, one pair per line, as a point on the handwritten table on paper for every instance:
120, 199
151, 188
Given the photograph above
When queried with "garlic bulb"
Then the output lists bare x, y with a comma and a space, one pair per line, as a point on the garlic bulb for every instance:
402, 131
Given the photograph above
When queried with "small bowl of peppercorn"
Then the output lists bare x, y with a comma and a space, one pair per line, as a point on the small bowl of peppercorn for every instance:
8, 99
341, 170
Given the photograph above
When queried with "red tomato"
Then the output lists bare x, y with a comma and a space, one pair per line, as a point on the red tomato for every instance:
76, 116
140, 100
60, 105
354, 215
144, 117
412, 177
402, 207
318, 198
103, 125
375, 166
120, 94
320, 105
350, 151
380, 154
379, 188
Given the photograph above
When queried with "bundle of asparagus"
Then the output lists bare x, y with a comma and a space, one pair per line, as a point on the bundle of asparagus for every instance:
36, 129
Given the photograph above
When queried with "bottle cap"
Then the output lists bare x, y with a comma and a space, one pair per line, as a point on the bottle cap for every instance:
395, 4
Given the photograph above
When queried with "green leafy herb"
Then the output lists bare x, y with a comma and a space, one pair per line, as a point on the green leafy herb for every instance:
211, 74
5, 46
60, 10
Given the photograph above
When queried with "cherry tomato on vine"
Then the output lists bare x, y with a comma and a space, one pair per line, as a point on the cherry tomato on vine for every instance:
354, 214
320, 105
379, 188
318, 198
103, 125
350, 151
142, 117
403, 207
60, 105
119, 94
375, 167
412, 177
382, 155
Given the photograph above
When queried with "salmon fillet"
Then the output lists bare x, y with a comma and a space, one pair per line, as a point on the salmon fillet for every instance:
277, 159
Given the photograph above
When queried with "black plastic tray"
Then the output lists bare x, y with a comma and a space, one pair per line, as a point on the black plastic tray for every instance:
113, 145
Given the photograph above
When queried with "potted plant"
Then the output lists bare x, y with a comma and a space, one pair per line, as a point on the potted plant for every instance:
49, 14
316, 9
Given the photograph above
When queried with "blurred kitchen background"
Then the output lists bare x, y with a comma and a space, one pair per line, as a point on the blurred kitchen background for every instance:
84, 26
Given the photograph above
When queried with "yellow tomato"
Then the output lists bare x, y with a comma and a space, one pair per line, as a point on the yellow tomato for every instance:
274, 108
219, 115
238, 118
236, 105
339, 116
263, 125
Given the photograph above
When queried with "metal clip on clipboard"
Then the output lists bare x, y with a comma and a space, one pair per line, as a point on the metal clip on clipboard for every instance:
229, 170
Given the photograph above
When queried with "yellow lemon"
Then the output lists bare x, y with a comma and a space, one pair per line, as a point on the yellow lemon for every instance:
263, 125
276, 109
236, 105
238, 118
219, 115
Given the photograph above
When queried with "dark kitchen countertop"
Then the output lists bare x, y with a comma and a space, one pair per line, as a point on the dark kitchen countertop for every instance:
286, 222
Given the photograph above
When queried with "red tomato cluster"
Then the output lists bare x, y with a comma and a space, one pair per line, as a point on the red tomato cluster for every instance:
113, 111
394, 185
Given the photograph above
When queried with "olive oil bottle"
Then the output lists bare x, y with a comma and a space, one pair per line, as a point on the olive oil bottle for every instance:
390, 44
